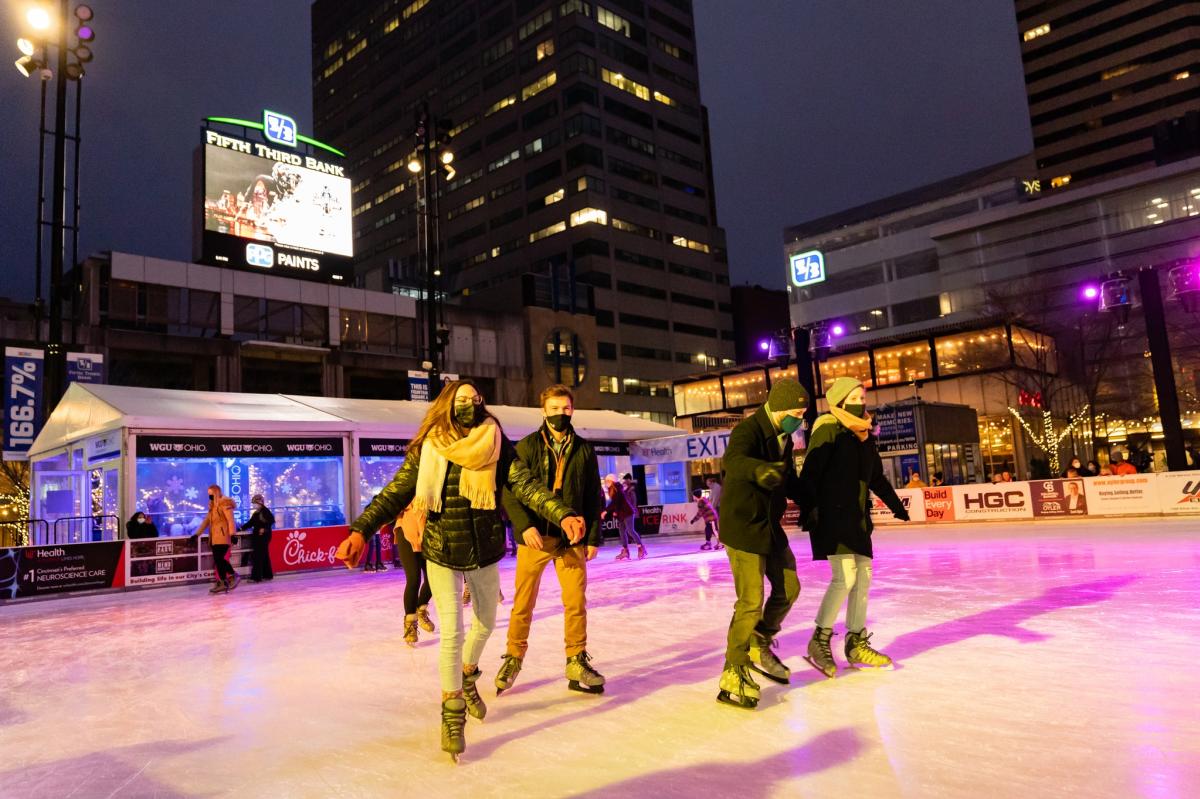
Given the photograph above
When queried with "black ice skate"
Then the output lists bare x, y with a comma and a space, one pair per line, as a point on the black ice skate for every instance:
764, 661
507, 675
738, 688
475, 705
861, 655
454, 719
820, 656
582, 677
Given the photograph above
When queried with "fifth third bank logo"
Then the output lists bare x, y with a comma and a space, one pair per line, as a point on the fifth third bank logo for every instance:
260, 255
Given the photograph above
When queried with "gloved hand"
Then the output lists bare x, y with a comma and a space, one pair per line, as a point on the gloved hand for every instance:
902, 515
769, 475
351, 550
574, 528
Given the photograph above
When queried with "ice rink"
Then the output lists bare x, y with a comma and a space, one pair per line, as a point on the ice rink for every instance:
1056, 659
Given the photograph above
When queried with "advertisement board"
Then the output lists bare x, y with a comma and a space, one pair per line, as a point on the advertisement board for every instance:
1179, 492
275, 210
1126, 494
297, 549
181, 447
897, 431
680, 448
1059, 497
23, 376
913, 499
164, 561
85, 367
938, 503
987, 502
61, 568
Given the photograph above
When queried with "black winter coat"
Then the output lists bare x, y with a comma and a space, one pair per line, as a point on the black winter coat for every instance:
580, 488
461, 537
838, 470
751, 514
262, 521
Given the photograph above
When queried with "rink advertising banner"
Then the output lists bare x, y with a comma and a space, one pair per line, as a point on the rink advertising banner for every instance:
297, 549
1126, 494
998, 501
938, 502
680, 448
1058, 497
913, 500
1179, 492
897, 430
196, 447
162, 561
61, 568
382, 447
668, 519
24, 370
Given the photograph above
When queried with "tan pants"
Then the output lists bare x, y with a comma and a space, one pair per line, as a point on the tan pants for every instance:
571, 565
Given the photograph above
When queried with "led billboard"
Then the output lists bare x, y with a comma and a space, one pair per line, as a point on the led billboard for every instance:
275, 210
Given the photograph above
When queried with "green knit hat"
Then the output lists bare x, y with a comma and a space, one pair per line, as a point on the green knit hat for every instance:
836, 394
787, 395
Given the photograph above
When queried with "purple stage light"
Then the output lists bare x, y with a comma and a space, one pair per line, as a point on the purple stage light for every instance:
1091, 291
838, 329
764, 344
85, 33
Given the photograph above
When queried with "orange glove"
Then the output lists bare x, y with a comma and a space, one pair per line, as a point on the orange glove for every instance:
351, 550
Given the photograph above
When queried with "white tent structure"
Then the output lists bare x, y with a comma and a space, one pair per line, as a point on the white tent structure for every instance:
85, 458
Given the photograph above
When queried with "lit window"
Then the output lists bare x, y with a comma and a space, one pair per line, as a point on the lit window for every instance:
501, 104
391, 24
683, 241
334, 67
546, 232
392, 192
413, 8
1117, 72
630, 227
333, 49
574, 7
536, 24
356, 49
539, 85
469, 205
1181, 75
504, 160
551, 199
462, 126
586, 216
545, 49
1060, 181
364, 207
609, 385
665, 100
625, 84
613, 21
1033, 33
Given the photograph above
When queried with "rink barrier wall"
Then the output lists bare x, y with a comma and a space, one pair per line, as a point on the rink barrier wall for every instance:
1151, 494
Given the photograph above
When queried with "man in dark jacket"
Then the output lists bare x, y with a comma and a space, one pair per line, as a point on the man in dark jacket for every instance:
262, 522
759, 478
566, 465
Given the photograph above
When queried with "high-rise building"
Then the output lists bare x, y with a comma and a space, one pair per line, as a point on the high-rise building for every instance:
1101, 76
582, 168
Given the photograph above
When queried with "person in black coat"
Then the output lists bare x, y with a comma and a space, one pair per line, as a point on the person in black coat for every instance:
139, 526
759, 478
840, 468
262, 522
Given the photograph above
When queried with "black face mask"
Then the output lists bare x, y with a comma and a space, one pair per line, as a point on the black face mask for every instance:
211, 498
465, 415
559, 422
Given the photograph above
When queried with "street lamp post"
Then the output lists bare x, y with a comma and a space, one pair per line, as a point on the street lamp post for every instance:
432, 158
68, 66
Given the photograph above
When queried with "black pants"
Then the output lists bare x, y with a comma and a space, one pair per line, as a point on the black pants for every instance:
221, 562
416, 582
708, 532
260, 545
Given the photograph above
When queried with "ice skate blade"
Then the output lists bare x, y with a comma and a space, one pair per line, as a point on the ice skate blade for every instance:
575, 685
829, 675
781, 680
864, 667
726, 698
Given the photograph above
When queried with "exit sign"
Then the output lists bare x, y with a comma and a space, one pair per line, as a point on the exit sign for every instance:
808, 268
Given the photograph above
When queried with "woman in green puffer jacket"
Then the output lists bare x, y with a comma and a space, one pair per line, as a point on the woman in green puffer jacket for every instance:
456, 467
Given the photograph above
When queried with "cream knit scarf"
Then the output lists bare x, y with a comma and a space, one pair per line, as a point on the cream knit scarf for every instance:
860, 427
477, 453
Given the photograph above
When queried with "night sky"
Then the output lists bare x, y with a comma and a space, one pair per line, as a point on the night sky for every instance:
815, 106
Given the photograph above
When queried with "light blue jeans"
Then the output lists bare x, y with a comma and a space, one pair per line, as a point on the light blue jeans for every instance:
447, 585
851, 581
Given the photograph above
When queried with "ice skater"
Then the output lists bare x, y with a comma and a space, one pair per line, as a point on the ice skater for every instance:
705, 510
406, 538
261, 523
617, 506
759, 479
563, 462
220, 526
840, 468
457, 464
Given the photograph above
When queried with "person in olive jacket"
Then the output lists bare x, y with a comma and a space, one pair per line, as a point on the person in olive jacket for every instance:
759, 478
261, 522
564, 463
457, 465
840, 468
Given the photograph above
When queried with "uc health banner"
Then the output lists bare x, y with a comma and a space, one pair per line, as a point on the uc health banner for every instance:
24, 371
61, 568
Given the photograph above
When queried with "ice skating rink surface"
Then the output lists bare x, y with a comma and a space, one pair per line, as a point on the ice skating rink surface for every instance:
1056, 659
